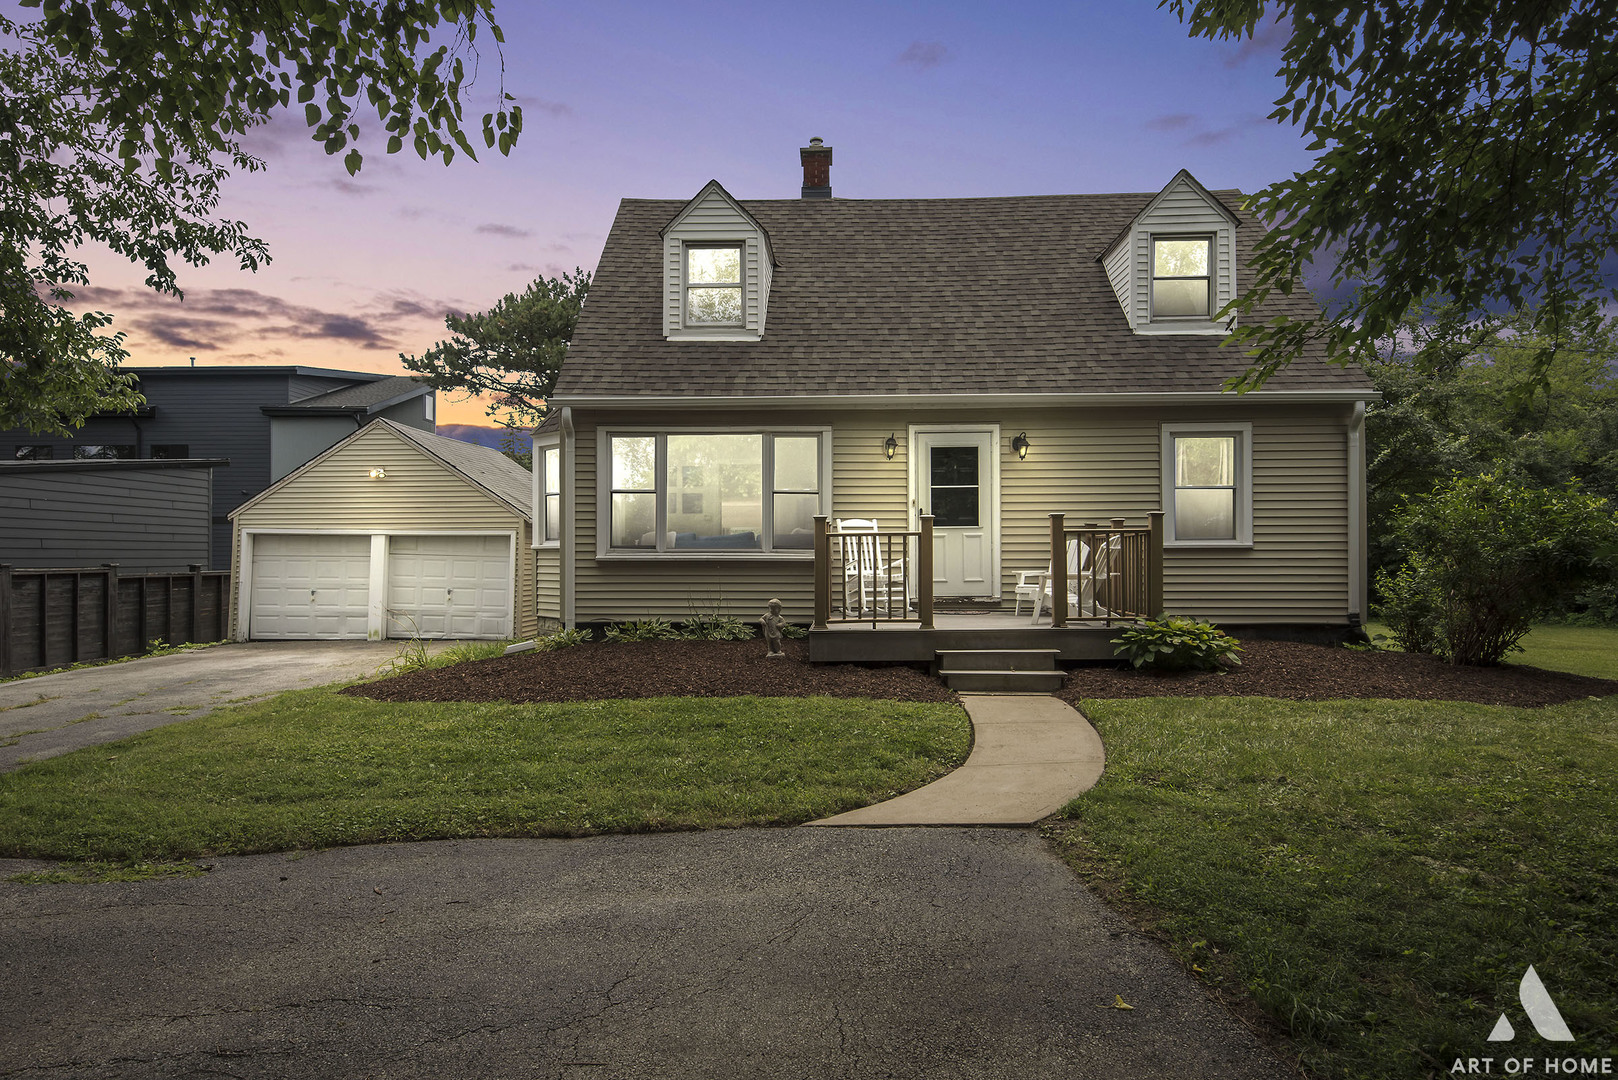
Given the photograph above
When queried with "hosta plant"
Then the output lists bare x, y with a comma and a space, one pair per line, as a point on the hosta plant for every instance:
1178, 643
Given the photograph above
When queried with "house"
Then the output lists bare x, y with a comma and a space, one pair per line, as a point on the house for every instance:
967, 367
265, 420
393, 532
148, 515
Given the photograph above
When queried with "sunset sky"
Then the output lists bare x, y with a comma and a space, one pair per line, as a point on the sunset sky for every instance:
651, 100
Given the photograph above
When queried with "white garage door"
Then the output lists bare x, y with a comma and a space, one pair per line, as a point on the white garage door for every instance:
449, 586
310, 586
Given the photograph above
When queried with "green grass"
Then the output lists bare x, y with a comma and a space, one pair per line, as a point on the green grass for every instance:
316, 769
1582, 650
1376, 874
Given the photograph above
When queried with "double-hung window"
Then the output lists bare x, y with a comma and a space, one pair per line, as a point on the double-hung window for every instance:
1182, 277
699, 492
713, 285
1208, 485
550, 489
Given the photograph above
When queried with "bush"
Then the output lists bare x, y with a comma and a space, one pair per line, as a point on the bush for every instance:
1486, 558
642, 630
564, 639
1178, 643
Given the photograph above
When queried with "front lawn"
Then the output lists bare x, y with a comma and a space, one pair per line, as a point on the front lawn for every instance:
315, 769
1376, 874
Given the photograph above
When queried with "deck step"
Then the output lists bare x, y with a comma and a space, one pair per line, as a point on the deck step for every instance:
998, 659
1004, 681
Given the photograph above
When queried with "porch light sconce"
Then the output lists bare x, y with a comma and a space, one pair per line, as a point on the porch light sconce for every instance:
890, 446
1020, 444
377, 474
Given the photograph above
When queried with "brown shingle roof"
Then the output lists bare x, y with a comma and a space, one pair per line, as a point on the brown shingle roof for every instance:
911, 296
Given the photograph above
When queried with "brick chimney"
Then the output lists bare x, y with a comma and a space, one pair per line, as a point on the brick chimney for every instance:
816, 158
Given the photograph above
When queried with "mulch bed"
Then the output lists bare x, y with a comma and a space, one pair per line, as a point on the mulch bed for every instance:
1289, 669
1281, 669
642, 669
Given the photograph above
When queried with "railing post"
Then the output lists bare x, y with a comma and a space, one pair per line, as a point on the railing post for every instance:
1154, 557
924, 572
109, 609
1058, 572
196, 601
822, 574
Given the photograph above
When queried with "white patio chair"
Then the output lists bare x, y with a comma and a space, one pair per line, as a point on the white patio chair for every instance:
1081, 580
866, 577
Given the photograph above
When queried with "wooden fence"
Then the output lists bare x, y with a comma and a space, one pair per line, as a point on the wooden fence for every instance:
52, 618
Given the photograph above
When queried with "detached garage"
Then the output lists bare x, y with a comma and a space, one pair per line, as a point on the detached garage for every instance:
393, 532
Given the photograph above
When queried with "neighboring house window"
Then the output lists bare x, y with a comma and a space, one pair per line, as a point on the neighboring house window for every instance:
170, 450
104, 450
714, 491
34, 453
551, 481
713, 285
1182, 277
429, 408
1207, 484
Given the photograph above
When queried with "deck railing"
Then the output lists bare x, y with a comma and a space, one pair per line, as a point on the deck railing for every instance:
1119, 570
873, 576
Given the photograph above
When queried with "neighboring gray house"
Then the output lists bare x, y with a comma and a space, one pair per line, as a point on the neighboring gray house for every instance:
745, 365
265, 420
148, 516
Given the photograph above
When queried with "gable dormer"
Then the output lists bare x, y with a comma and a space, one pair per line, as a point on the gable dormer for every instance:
716, 270
1174, 265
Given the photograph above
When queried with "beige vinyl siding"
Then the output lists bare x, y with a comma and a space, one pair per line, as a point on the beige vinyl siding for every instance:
714, 220
548, 582
1091, 465
1117, 265
337, 493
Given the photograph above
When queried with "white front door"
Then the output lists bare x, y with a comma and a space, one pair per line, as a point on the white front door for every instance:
955, 480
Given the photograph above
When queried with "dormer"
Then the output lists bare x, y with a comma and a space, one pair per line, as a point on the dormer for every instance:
1174, 265
716, 270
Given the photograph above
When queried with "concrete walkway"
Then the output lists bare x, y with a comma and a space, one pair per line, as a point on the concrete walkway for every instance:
52, 714
1030, 756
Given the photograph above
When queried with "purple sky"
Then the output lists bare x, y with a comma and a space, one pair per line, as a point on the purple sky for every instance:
651, 100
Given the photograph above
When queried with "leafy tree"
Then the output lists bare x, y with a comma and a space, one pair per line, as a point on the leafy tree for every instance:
119, 121
1464, 151
513, 351
1487, 558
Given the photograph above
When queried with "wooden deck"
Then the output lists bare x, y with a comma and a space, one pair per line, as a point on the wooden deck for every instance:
897, 642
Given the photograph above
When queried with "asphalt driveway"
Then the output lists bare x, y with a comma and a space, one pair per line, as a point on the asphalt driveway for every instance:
902, 953
52, 714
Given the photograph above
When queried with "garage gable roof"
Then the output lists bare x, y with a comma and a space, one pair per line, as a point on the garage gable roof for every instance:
490, 471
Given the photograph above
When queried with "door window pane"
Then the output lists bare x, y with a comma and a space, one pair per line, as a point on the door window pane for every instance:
727, 471
955, 465
955, 507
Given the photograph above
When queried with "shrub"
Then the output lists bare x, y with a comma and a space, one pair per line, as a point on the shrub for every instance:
1486, 558
716, 628
1178, 643
563, 639
641, 630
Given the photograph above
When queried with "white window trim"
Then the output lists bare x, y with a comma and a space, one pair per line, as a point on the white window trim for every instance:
540, 520
1152, 317
1244, 482
686, 323
605, 552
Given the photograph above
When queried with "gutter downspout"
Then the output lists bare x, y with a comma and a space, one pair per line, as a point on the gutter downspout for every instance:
569, 478
1358, 594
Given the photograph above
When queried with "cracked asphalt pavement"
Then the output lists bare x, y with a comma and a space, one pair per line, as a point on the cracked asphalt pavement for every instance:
52, 714
898, 953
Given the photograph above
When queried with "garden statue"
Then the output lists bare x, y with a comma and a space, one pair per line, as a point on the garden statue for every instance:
773, 622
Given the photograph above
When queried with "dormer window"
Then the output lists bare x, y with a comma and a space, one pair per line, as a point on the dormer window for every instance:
1182, 277
713, 285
